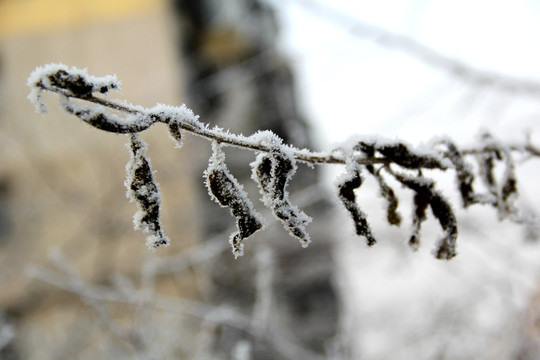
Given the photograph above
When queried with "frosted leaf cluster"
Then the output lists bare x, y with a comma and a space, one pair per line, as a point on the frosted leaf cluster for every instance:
275, 165
405, 164
426, 195
401, 155
272, 171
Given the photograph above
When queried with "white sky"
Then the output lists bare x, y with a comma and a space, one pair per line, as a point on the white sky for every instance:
351, 85
402, 303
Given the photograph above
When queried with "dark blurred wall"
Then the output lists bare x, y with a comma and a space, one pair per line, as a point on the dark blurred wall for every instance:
236, 77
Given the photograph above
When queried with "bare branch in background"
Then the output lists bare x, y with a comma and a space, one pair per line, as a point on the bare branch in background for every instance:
98, 297
424, 53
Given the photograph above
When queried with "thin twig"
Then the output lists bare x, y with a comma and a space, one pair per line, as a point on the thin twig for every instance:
226, 138
223, 137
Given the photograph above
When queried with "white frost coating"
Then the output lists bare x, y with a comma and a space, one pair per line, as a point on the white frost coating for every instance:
98, 116
216, 161
266, 138
351, 166
273, 184
42, 77
265, 196
181, 113
237, 249
134, 162
87, 112
270, 139
298, 220
146, 194
422, 150
230, 194
140, 119
153, 239
176, 134
36, 99
346, 182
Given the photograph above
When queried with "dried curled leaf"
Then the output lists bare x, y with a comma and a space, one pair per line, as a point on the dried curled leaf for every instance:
175, 133
144, 190
346, 185
67, 81
425, 193
464, 175
226, 191
401, 154
505, 194
486, 163
106, 121
509, 189
272, 172
421, 202
262, 174
446, 248
80, 84
392, 215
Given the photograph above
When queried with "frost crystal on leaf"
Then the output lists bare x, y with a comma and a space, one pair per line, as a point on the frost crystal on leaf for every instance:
175, 133
179, 114
106, 121
402, 154
346, 185
144, 190
272, 172
68, 81
425, 194
227, 192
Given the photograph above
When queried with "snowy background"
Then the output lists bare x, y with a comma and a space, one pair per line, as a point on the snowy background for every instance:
408, 305
391, 91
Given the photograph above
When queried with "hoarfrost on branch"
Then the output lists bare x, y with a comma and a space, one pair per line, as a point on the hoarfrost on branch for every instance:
275, 165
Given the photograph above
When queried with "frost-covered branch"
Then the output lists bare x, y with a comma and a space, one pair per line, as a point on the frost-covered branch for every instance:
55, 78
275, 165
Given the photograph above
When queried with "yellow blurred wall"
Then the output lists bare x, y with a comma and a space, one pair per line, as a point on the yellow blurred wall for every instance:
30, 16
64, 178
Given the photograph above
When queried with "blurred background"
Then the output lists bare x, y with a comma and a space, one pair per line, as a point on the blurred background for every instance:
77, 282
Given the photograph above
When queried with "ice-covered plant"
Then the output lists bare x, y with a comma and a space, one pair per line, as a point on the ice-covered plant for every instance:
275, 165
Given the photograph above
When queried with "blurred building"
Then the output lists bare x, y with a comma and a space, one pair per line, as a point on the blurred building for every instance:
237, 78
61, 182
